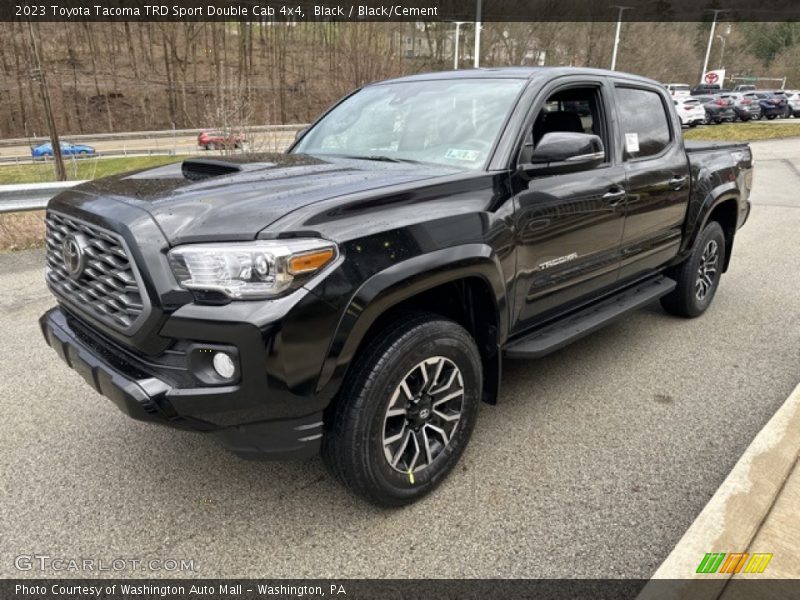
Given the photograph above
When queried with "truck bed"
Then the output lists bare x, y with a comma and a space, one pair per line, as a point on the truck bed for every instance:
695, 146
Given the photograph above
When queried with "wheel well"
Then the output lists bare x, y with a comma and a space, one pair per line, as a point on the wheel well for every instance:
726, 213
469, 302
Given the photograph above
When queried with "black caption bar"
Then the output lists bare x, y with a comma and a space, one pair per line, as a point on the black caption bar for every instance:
394, 10
393, 589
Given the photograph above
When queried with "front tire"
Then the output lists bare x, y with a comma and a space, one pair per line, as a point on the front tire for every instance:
698, 276
406, 410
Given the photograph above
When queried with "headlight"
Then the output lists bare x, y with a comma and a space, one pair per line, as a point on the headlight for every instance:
249, 270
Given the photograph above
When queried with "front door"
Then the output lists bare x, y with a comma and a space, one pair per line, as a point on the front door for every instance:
569, 225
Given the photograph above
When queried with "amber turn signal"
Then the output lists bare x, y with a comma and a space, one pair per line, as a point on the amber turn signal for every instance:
311, 261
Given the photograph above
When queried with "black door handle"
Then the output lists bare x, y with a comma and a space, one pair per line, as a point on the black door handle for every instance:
677, 182
614, 196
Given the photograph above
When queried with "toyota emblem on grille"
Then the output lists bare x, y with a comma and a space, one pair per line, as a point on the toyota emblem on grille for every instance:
73, 255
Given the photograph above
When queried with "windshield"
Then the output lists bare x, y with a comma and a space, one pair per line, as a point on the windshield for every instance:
449, 122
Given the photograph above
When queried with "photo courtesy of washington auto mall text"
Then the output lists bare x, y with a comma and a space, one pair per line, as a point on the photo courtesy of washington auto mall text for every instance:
399, 299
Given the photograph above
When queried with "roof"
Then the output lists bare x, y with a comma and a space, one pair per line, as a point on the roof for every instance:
516, 73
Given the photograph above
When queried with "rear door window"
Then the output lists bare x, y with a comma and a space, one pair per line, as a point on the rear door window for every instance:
644, 121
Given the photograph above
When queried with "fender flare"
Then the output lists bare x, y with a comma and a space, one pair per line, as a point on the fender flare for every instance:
404, 280
715, 197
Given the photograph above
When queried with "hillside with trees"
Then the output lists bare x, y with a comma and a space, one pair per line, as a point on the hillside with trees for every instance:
106, 77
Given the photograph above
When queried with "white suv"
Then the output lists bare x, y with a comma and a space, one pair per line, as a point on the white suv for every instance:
690, 110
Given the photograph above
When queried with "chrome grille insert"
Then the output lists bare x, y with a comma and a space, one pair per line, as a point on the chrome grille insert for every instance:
103, 283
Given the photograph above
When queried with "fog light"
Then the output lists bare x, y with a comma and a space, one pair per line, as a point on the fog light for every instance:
224, 365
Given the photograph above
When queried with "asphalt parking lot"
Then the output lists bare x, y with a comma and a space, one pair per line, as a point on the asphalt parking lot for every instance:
593, 464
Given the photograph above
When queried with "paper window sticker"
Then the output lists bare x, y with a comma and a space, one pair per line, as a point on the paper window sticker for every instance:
632, 143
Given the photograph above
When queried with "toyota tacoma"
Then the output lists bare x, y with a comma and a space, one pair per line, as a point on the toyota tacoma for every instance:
357, 295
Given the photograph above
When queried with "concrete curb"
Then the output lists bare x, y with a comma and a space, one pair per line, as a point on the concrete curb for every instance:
733, 516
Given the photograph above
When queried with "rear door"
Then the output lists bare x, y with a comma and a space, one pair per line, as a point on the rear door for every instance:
568, 225
657, 177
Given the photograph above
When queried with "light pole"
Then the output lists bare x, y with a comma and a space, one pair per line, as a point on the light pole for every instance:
458, 36
621, 9
716, 12
478, 34
722, 52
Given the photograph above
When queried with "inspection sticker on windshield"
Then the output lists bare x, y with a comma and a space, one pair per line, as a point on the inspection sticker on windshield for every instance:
456, 154
631, 143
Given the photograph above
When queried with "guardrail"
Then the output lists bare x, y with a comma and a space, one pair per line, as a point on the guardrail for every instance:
28, 160
30, 196
164, 133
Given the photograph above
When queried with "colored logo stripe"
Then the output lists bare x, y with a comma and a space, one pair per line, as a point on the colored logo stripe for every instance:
758, 562
733, 562
711, 562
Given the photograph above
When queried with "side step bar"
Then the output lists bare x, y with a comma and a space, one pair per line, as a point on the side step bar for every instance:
576, 325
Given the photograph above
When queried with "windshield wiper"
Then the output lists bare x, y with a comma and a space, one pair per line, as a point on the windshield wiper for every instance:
382, 158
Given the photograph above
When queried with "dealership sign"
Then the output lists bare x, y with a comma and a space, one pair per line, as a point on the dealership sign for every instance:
714, 77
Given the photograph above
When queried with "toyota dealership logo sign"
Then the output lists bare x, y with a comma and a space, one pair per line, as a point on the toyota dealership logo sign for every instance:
714, 77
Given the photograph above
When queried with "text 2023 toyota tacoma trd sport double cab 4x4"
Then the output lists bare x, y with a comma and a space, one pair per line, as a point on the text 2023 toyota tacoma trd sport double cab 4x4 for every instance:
357, 294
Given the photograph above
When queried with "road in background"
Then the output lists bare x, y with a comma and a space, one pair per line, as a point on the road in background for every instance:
594, 463
182, 144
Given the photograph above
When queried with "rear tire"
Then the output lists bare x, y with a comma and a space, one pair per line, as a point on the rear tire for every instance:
698, 276
392, 436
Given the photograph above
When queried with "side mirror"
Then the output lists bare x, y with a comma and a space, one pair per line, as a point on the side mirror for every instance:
564, 151
300, 133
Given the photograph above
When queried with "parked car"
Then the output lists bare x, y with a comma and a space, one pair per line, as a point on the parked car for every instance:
211, 140
358, 295
678, 90
67, 149
772, 105
690, 111
785, 95
793, 100
744, 88
718, 109
704, 89
745, 105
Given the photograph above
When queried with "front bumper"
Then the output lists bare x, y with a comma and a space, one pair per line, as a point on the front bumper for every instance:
149, 398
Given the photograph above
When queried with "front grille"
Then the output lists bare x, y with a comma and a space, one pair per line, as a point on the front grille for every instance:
107, 287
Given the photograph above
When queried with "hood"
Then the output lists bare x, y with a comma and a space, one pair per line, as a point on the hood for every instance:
241, 195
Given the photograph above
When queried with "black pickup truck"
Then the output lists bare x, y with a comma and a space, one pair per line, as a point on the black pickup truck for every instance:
358, 294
